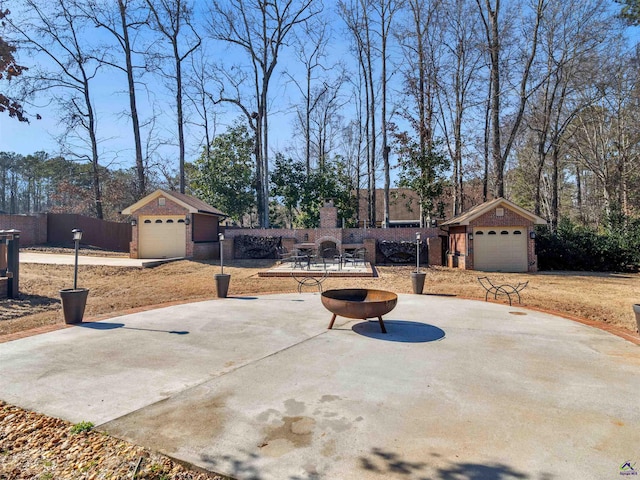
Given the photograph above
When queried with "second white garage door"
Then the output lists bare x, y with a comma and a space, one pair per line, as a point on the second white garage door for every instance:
500, 249
161, 236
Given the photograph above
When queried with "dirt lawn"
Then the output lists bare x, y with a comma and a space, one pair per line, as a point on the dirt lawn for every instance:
606, 298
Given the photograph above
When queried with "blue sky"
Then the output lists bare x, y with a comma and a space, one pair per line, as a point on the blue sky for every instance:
114, 128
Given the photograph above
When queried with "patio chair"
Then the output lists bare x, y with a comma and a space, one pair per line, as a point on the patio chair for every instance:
283, 253
357, 256
286, 256
331, 256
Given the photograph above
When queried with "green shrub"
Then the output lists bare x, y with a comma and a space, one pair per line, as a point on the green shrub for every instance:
574, 247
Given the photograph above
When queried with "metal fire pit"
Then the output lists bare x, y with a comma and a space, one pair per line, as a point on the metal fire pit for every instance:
359, 303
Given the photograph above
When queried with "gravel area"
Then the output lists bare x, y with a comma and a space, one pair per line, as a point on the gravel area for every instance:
34, 446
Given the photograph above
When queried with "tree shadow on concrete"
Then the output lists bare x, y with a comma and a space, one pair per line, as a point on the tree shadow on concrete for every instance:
394, 465
386, 464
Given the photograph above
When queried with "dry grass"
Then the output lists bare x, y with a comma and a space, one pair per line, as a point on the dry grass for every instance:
600, 297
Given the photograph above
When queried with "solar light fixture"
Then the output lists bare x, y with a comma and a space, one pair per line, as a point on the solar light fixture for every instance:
417, 252
221, 239
77, 236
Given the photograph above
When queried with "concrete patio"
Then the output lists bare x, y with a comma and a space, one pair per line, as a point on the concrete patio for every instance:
258, 388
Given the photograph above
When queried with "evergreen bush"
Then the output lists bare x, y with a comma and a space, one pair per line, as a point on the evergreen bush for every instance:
575, 247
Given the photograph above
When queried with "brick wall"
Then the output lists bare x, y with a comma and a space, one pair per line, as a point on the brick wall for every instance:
206, 251
509, 219
366, 237
435, 250
33, 228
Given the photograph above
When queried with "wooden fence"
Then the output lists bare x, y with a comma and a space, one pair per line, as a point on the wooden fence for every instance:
98, 233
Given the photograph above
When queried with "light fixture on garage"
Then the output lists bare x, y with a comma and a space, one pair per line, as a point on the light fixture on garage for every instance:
134, 222
187, 220
532, 235
470, 236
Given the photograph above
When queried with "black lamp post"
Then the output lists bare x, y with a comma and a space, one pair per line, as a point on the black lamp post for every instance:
77, 236
74, 299
417, 252
417, 278
222, 279
221, 239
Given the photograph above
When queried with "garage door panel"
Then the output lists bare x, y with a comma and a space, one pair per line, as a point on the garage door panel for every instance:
162, 237
500, 249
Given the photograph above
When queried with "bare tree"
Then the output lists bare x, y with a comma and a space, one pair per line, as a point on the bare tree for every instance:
385, 11
460, 62
172, 19
260, 29
121, 20
499, 85
355, 14
605, 140
420, 40
570, 34
318, 115
57, 32
198, 92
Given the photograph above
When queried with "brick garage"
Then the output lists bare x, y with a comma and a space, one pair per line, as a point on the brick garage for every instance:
171, 224
497, 235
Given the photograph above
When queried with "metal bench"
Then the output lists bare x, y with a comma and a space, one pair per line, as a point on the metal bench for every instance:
504, 289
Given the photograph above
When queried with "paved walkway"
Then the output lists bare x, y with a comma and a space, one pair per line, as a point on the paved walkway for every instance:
63, 259
258, 388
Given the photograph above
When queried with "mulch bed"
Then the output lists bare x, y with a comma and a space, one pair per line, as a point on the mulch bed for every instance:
34, 446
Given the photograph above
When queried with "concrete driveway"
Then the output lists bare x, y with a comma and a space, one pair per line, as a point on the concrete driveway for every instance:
258, 388
65, 259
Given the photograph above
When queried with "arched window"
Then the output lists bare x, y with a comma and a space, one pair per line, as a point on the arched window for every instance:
479, 232
181, 220
504, 232
158, 221
169, 221
491, 232
147, 221
517, 232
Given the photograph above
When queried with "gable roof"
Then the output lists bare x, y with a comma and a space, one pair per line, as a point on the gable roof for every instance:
478, 210
192, 204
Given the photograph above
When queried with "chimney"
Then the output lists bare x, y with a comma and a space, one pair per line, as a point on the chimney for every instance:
328, 215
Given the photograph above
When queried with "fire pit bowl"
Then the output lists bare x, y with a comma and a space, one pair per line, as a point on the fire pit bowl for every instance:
359, 303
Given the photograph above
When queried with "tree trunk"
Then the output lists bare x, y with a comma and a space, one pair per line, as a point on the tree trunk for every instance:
140, 170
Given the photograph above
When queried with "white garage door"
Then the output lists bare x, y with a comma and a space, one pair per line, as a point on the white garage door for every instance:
500, 249
161, 236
